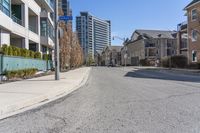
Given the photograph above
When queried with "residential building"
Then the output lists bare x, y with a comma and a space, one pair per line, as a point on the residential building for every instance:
151, 45
46, 25
94, 33
182, 39
111, 55
27, 24
193, 16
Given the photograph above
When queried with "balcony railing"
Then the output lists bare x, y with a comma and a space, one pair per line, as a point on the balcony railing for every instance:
16, 20
50, 3
183, 46
3, 9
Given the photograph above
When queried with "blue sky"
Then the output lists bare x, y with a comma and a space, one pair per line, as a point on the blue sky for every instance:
128, 15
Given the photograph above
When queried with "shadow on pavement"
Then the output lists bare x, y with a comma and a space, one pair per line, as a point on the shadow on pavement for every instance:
167, 75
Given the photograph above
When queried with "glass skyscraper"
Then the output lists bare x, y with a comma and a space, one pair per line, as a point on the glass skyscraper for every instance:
94, 33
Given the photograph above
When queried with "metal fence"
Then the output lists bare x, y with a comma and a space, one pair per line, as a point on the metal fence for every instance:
8, 63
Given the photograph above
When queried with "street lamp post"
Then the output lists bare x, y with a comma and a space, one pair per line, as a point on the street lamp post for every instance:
57, 59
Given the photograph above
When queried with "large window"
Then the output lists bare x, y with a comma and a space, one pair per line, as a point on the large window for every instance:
194, 14
5, 6
194, 35
44, 27
194, 56
47, 29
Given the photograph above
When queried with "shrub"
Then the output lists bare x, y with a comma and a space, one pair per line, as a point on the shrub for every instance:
31, 54
165, 62
5, 49
15, 51
10, 51
177, 61
38, 55
25, 73
144, 62
24, 52
195, 65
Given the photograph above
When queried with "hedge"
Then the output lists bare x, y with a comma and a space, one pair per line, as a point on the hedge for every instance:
25, 73
15, 51
177, 61
144, 62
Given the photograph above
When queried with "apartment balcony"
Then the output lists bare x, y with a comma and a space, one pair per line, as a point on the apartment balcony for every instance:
182, 26
47, 41
18, 29
16, 20
47, 4
45, 14
34, 37
5, 21
33, 22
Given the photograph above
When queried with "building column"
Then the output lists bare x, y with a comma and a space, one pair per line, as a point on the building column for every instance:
25, 43
4, 37
38, 29
26, 18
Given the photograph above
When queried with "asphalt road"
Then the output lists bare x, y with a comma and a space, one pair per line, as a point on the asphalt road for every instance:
117, 100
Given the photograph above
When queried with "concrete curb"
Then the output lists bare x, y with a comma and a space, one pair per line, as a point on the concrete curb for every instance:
29, 104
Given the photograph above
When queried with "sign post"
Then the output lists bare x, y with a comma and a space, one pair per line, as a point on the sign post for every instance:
57, 51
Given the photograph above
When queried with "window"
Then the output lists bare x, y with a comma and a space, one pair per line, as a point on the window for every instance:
194, 14
194, 56
44, 27
6, 6
194, 35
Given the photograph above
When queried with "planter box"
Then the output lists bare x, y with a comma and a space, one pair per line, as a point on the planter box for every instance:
9, 63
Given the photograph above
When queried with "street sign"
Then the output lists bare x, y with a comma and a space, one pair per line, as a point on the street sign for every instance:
65, 18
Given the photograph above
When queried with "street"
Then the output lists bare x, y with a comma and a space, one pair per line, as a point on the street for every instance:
119, 100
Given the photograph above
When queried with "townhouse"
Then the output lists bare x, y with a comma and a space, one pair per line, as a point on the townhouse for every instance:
182, 39
150, 45
111, 55
27, 24
193, 28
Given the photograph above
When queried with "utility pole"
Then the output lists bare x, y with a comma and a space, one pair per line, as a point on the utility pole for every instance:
57, 51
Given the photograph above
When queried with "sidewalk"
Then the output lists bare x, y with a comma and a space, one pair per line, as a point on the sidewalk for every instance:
178, 70
19, 96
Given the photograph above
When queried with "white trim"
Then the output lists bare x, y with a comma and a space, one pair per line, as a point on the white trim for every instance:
191, 5
192, 38
193, 51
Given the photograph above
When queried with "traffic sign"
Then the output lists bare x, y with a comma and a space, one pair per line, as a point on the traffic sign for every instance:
65, 18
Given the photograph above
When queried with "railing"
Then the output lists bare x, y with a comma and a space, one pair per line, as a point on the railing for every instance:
3, 9
183, 45
16, 20
50, 3
182, 26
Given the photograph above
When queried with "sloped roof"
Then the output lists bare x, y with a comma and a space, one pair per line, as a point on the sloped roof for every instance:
155, 34
117, 48
191, 3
